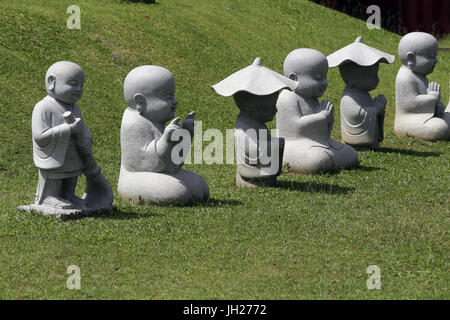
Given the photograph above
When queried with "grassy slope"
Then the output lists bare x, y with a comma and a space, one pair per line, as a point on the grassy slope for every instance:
312, 237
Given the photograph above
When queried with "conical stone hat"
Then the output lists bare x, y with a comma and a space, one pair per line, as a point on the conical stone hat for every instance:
255, 79
360, 54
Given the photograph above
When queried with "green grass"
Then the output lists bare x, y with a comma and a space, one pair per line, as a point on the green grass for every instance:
310, 238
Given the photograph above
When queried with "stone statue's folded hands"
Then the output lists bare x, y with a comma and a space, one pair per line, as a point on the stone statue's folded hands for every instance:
165, 143
327, 107
434, 90
169, 130
188, 122
380, 101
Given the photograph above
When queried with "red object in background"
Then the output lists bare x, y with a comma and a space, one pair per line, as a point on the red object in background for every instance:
432, 16
400, 16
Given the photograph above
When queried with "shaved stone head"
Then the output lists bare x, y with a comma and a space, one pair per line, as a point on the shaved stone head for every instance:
64, 81
146, 80
418, 42
304, 61
63, 69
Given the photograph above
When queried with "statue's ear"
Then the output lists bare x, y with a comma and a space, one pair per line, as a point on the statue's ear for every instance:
411, 58
293, 76
140, 101
51, 82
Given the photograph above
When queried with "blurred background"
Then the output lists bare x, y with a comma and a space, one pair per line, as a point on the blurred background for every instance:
400, 16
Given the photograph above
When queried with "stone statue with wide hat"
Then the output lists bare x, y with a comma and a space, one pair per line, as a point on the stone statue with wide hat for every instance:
362, 117
255, 91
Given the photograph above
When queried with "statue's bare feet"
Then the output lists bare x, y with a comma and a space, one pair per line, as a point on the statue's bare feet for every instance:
57, 202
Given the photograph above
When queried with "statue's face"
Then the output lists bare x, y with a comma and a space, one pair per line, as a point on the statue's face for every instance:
161, 103
361, 77
68, 87
312, 84
425, 61
261, 108
366, 78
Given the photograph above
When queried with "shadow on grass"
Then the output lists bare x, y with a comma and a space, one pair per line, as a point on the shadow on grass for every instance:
409, 152
221, 203
140, 1
337, 171
313, 187
147, 210
127, 215
366, 168
210, 203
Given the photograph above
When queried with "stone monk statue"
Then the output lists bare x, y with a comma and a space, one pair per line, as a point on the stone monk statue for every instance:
62, 149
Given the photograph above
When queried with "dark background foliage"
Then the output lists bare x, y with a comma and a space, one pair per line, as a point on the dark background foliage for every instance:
400, 16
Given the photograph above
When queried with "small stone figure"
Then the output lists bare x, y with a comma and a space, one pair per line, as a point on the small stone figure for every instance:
362, 118
150, 169
305, 122
419, 111
62, 149
259, 155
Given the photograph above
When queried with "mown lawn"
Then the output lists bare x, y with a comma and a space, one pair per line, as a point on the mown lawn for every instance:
312, 237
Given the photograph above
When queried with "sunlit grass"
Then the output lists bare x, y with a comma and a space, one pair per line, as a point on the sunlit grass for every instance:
310, 237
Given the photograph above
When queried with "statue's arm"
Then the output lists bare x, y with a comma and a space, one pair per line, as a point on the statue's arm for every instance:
246, 144
252, 153
352, 110
292, 117
139, 149
379, 103
411, 100
42, 131
153, 159
311, 122
426, 102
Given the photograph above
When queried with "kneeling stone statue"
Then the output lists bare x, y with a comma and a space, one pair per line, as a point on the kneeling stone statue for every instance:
306, 123
419, 110
150, 170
